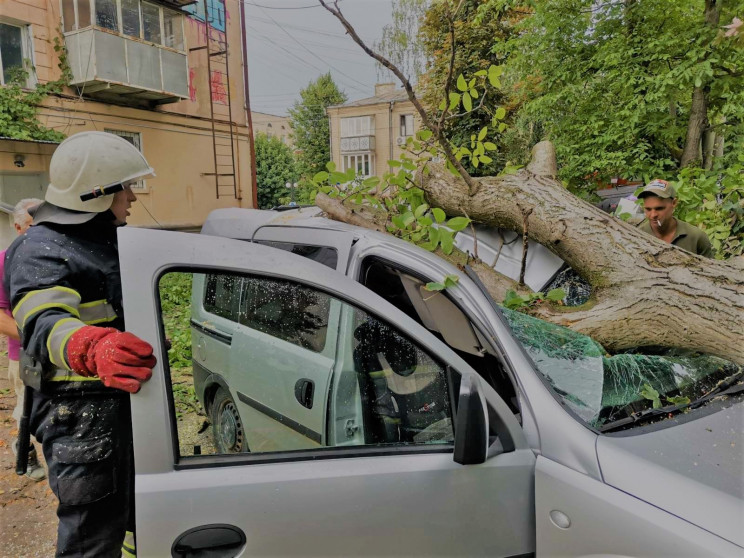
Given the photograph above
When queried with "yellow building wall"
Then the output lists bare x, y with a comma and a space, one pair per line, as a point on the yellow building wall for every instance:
176, 138
387, 130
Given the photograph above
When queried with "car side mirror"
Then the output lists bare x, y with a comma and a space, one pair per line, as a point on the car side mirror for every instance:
471, 423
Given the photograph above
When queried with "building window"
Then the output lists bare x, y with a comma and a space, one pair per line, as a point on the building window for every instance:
135, 138
15, 43
406, 125
362, 163
139, 19
357, 126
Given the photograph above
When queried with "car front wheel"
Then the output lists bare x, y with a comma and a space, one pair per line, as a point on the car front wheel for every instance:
227, 427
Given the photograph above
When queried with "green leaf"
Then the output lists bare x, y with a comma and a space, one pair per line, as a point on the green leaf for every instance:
322, 176
338, 177
331, 166
439, 215
500, 113
424, 221
454, 99
481, 73
554, 295
446, 240
485, 159
647, 392
394, 163
371, 182
512, 300
408, 218
474, 93
442, 105
451, 280
420, 210
678, 400
482, 133
433, 287
458, 223
467, 102
398, 222
462, 84
434, 236
424, 135
490, 146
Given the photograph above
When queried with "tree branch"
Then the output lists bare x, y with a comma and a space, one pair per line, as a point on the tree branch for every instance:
444, 144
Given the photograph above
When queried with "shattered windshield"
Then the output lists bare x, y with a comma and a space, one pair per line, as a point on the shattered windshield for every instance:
600, 387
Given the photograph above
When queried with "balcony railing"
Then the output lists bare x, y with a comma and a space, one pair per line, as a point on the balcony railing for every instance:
113, 66
358, 143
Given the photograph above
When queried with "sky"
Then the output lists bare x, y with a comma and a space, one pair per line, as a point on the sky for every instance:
291, 43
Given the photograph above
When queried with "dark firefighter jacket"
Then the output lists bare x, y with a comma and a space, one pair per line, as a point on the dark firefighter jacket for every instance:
60, 278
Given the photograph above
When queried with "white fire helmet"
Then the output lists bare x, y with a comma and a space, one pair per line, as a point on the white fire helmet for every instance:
89, 160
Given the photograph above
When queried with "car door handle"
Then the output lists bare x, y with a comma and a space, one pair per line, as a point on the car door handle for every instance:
304, 390
213, 541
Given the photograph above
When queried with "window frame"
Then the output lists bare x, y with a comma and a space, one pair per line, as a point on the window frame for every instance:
452, 379
182, 48
407, 125
27, 53
139, 187
357, 126
353, 159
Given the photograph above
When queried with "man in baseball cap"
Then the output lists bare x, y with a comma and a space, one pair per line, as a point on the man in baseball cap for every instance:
659, 201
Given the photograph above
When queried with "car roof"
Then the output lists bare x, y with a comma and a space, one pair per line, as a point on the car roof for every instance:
497, 248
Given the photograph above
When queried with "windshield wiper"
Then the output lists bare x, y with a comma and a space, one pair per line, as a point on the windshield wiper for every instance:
727, 386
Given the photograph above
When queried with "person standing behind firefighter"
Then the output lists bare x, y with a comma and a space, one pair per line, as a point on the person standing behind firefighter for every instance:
65, 291
21, 221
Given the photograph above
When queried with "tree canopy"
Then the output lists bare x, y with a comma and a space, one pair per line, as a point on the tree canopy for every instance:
275, 166
310, 123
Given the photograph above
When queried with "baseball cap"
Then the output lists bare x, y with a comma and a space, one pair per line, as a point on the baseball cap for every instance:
659, 188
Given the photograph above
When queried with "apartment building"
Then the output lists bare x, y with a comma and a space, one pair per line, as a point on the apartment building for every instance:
167, 75
367, 133
273, 126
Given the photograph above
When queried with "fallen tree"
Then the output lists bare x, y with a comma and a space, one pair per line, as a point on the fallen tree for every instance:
644, 292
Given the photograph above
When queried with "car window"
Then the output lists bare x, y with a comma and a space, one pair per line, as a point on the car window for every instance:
285, 310
221, 296
322, 254
298, 370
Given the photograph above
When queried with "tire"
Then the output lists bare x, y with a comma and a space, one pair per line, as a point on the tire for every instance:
227, 426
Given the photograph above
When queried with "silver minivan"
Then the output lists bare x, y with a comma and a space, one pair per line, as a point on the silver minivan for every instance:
354, 412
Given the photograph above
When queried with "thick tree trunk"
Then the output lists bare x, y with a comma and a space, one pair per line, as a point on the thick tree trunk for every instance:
695, 127
645, 292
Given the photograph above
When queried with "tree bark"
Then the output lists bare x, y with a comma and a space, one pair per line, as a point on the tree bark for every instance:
695, 127
645, 292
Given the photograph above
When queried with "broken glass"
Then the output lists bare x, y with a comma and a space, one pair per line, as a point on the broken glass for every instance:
599, 387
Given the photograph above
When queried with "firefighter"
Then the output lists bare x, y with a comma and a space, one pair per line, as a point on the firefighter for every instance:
65, 293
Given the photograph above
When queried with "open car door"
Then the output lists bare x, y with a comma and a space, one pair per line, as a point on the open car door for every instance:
414, 456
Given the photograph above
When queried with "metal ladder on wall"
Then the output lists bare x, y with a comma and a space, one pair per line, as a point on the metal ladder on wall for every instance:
220, 106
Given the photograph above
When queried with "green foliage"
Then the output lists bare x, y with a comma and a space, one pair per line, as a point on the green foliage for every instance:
648, 392
449, 281
515, 301
19, 106
275, 166
479, 26
714, 201
310, 123
175, 303
611, 84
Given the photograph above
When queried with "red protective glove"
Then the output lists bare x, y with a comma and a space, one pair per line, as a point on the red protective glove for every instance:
120, 359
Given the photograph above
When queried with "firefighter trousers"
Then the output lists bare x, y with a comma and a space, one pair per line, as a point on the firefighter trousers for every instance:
87, 443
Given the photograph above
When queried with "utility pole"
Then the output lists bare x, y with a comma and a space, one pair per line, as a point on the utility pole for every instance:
249, 117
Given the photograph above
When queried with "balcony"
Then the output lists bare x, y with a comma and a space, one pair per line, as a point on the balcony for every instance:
114, 67
357, 143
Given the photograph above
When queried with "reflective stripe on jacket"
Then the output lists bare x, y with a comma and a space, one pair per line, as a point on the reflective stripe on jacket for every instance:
61, 278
